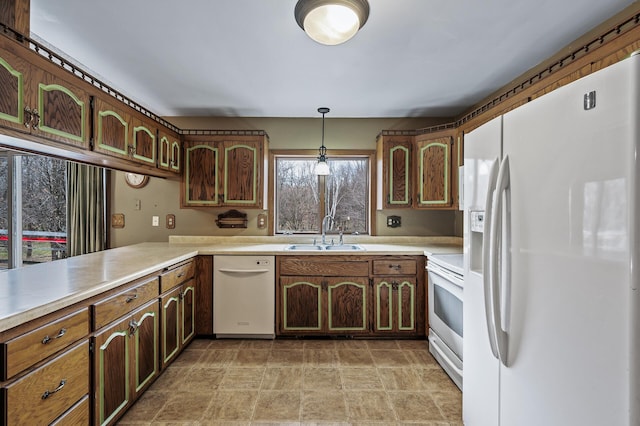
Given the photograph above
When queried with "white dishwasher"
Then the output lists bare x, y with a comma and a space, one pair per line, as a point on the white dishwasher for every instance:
244, 296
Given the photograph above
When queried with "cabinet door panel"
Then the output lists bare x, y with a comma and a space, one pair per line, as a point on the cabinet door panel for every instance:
301, 304
170, 325
188, 311
383, 306
145, 351
112, 130
200, 184
347, 304
434, 172
112, 347
241, 172
12, 91
406, 304
144, 143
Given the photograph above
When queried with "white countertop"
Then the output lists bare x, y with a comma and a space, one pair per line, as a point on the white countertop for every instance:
37, 290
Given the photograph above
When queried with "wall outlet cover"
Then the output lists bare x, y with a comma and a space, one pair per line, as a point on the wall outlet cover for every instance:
117, 220
171, 221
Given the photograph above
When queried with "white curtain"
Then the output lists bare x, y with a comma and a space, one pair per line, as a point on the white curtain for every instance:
85, 209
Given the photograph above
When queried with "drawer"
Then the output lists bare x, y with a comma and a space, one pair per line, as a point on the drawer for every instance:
323, 267
36, 345
112, 308
44, 394
78, 415
177, 276
394, 267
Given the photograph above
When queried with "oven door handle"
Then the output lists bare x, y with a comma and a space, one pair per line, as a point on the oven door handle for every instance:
486, 259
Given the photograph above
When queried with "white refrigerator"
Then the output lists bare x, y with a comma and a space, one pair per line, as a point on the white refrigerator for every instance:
551, 327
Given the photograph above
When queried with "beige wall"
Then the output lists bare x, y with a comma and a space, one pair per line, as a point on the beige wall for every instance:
161, 196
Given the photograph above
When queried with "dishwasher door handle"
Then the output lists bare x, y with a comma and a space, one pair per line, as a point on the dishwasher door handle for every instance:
244, 271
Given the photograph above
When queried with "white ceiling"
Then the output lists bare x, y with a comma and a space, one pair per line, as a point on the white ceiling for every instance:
249, 58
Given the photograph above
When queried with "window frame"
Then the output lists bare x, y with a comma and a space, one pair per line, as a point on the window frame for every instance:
312, 153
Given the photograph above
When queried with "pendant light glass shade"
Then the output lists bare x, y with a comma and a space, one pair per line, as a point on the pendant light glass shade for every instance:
322, 168
331, 22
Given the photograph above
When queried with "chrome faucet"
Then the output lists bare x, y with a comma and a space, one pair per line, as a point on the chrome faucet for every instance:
324, 228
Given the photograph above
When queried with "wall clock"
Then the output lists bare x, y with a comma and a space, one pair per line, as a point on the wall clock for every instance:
136, 180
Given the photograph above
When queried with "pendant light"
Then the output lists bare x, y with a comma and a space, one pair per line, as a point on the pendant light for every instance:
331, 22
322, 168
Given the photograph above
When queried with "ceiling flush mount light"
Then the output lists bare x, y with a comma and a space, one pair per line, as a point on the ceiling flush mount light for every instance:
331, 22
322, 168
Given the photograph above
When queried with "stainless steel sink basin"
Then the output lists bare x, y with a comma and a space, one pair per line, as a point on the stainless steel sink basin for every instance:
317, 247
303, 247
345, 247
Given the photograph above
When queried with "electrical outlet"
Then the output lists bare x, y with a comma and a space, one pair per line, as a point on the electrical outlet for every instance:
394, 221
171, 221
262, 221
117, 220
155, 220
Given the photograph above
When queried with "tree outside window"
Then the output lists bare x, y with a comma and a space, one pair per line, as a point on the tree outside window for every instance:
303, 199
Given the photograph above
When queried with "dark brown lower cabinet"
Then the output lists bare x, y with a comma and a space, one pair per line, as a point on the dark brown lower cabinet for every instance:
395, 305
125, 361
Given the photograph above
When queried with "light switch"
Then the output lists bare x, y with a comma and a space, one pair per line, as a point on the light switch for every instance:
155, 221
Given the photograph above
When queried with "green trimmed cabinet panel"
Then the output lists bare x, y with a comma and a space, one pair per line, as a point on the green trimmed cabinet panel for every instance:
395, 305
316, 305
125, 362
47, 104
178, 320
113, 131
395, 184
143, 142
433, 168
225, 170
169, 149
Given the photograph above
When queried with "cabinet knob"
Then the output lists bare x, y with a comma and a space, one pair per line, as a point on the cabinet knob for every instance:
35, 120
133, 327
48, 393
396, 267
130, 299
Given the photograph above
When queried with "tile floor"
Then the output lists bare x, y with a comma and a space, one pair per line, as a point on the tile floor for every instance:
301, 382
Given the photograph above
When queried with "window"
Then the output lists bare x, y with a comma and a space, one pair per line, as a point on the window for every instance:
33, 198
303, 199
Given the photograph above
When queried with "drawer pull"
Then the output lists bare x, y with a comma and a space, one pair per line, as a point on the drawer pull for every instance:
396, 267
180, 275
47, 339
133, 327
47, 393
131, 298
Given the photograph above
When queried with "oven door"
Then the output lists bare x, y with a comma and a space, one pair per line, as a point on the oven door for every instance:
445, 307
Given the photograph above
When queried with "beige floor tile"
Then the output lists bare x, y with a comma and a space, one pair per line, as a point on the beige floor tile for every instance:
219, 357
225, 343
282, 378
351, 344
435, 379
413, 344
223, 423
421, 358
321, 378
265, 423
414, 406
369, 406
389, 358
278, 406
323, 406
382, 344
320, 357
400, 379
202, 378
145, 409
450, 404
188, 357
288, 344
184, 407
247, 357
242, 378
265, 344
360, 378
200, 344
285, 357
171, 378
236, 405
319, 344
354, 358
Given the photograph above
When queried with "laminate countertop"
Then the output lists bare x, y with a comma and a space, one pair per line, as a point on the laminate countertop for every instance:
33, 291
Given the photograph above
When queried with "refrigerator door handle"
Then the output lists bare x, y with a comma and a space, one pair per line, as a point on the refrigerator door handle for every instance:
502, 185
486, 258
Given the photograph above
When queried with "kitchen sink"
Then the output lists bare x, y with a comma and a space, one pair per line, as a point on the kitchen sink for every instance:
318, 247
